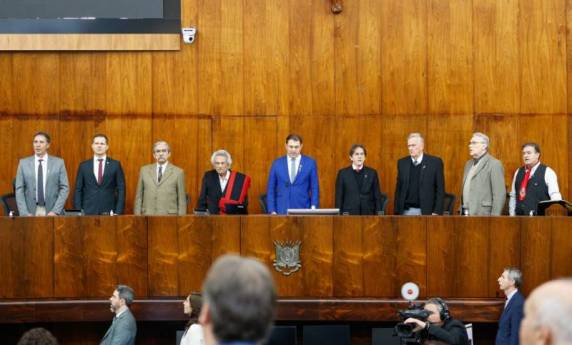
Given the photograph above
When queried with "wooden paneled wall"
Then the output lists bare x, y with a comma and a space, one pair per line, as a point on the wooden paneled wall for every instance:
260, 69
342, 257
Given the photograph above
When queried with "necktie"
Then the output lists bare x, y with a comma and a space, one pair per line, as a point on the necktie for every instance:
160, 174
40, 186
522, 190
100, 172
292, 169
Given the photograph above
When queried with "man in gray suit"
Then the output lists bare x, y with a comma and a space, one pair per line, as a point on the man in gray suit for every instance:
123, 329
161, 186
483, 190
41, 181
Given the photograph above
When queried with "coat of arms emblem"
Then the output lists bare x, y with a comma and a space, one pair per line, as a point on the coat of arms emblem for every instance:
287, 257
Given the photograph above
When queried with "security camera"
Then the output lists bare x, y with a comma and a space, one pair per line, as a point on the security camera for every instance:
189, 34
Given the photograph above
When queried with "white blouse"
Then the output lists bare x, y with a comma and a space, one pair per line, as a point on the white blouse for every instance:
193, 336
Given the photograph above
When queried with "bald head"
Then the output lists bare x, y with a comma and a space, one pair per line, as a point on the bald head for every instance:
548, 314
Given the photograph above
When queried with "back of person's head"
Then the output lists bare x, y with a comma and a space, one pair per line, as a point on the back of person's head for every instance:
239, 299
548, 313
38, 336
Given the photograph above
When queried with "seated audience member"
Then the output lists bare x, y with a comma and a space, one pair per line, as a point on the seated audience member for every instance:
38, 336
357, 186
123, 329
224, 191
440, 326
534, 181
548, 315
193, 332
239, 302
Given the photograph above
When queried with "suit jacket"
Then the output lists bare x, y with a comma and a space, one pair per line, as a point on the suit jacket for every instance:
97, 199
509, 323
304, 192
431, 185
161, 198
211, 192
488, 190
57, 187
452, 332
122, 331
353, 200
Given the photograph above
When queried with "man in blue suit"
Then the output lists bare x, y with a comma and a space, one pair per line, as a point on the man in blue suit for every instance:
509, 323
293, 180
100, 183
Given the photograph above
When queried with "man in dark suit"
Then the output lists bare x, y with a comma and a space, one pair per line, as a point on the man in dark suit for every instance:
420, 188
293, 180
123, 329
357, 186
509, 323
224, 191
100, 183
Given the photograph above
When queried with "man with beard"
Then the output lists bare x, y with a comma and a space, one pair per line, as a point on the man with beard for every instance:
123, 329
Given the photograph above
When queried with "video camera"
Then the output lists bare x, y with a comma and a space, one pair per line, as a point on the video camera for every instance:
410, 291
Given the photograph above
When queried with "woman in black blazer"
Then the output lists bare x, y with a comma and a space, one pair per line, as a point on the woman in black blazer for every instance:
357, 186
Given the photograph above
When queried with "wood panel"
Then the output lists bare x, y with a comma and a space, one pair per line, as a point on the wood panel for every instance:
195, 248
535, 245
317, 255
288, 230
455, 250
163, 256
497, 82
504, 250
59, 41
100, 253
542, 42
404, 62
348, 275
449, 56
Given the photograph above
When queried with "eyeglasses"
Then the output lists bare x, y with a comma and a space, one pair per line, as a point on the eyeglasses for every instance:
472, 142
161, 151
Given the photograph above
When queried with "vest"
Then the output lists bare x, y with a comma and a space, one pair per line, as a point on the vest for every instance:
536, 191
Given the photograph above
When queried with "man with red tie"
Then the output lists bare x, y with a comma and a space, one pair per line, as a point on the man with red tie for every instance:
532, 183
100, 183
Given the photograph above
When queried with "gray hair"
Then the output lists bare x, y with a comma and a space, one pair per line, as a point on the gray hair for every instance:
126, 293
240, 295
416, 135
483, 137
222, 153
161, 142
554, 311
514, 274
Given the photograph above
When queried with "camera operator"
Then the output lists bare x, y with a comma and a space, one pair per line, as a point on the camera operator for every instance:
440, 327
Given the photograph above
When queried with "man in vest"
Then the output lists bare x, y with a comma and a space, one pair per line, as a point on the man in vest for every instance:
532, 183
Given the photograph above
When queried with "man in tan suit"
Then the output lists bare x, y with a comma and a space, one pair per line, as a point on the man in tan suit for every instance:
161, 186
483, 190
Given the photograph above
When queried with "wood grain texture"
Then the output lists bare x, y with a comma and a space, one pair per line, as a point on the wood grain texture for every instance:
163, 256
450, 67
91, 42
535, 243
404, 62
348, 274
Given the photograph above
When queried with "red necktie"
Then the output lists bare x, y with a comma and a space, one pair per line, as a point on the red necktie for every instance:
522, 191
100, 172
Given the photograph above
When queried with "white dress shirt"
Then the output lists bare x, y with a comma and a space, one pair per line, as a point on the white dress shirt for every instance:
418, 160
296, 165
96, 165
509, 297
163, 168
549, 178
44, 170
223, 180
